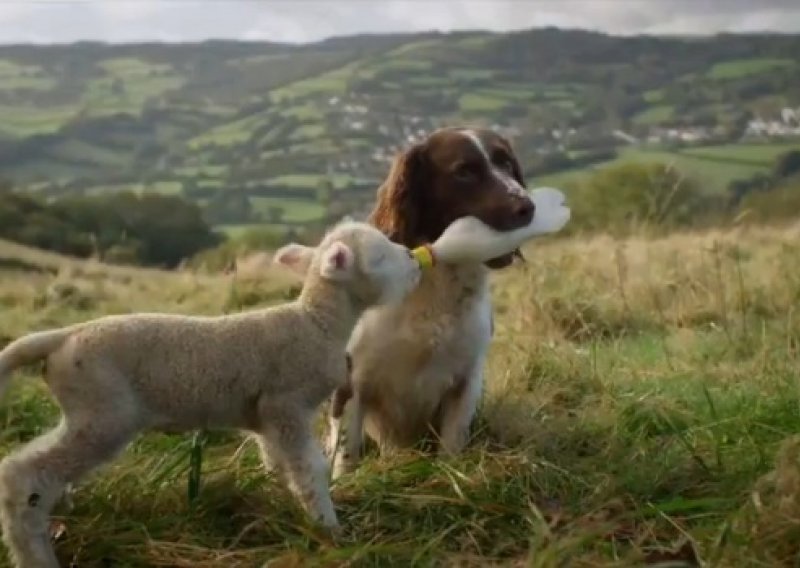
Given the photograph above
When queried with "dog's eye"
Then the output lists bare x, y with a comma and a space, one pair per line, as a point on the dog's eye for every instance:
506, 164
466, 172
503, 160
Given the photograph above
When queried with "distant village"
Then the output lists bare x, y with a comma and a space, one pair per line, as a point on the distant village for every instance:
395, 130
787, 125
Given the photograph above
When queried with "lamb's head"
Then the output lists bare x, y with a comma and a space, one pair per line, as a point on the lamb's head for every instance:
358, 258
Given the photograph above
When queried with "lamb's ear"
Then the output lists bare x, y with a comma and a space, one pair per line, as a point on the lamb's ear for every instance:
295, 257
337, 262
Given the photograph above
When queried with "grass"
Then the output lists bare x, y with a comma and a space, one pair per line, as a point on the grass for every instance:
642, 404
132, 67
127, 84
472, 102
713, 166
294, 210
763, 154
330, 84
229, 133
655, 115
210, 170
745, 67
471, 74
310, 180
239, 233
78, 150
161, 187
654, 96
16, 77
714, 175
22, 121
305, 112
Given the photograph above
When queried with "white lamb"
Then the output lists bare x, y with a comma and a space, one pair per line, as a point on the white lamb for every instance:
263, 372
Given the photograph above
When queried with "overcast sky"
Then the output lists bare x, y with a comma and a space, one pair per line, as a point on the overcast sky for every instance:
55, 21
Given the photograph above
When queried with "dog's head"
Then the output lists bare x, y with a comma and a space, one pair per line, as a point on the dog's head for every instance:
455, 172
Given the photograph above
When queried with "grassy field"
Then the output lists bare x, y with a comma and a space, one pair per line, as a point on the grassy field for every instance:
24, 121
642, 406
760, 154
655, 115
745, 67
14, 76
713, 166
294, 210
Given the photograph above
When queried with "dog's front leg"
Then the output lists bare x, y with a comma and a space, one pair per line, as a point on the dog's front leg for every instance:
336, 408
458, 410
347, 457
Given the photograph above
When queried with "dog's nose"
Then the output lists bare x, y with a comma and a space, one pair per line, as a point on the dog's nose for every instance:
523, 211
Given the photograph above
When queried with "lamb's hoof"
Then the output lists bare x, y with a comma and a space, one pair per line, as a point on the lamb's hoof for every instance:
335, 532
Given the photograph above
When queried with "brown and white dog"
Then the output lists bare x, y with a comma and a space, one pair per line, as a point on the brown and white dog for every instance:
417, 368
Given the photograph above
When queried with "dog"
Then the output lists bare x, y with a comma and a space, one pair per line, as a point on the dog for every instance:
416, 369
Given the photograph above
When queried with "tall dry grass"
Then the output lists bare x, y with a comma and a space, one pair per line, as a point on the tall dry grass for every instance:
641, 406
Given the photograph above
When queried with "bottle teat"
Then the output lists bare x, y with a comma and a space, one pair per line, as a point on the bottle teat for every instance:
425, 257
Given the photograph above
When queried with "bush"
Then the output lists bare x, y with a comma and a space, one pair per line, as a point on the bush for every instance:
625, 197
223, 255
779, 204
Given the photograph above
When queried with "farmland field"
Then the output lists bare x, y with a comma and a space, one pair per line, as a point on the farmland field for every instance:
24, 121
713, 166
745, 67
746, 153
294, 210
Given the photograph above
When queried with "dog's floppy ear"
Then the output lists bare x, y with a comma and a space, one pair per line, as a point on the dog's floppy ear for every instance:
294, 256
397, 212
337, 262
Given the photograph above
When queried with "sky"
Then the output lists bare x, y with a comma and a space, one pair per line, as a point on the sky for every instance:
299, 21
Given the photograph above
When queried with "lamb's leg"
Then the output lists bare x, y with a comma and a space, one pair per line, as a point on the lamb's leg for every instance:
458, 410
349, 453
289, 442
34, 478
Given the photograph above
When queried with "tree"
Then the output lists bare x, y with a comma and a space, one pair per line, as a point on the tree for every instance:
786, 165
226, 207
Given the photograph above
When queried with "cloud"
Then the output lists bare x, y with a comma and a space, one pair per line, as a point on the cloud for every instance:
56, 21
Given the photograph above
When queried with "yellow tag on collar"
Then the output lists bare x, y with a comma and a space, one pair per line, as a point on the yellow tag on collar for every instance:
424, 256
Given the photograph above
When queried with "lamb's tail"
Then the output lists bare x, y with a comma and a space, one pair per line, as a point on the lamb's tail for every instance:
29, 349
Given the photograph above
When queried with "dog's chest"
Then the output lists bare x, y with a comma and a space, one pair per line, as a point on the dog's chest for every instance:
438, 331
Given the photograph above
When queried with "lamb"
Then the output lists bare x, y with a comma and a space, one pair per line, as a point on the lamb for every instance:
263, 372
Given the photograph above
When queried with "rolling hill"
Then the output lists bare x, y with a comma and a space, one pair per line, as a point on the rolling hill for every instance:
285, 134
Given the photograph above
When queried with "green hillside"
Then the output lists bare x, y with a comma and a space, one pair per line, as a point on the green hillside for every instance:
291, 133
